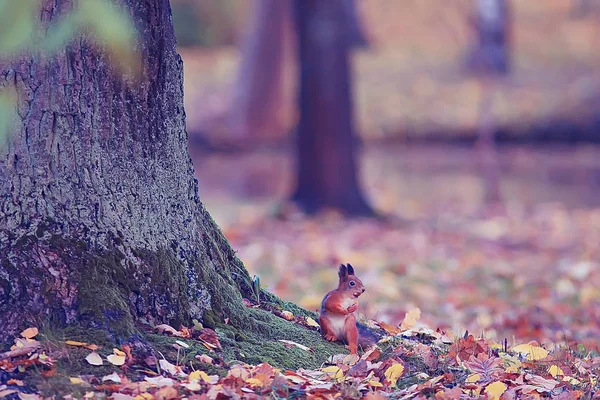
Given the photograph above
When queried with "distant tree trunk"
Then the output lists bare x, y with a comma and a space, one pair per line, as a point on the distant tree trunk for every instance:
490, 59
258, 110
354, 25
100, 220
326, 146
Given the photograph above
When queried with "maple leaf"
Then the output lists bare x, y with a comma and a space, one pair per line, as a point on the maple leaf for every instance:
464, 348
487, 367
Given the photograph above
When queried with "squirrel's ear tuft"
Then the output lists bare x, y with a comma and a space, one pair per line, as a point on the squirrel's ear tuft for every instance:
350, 269
343, 272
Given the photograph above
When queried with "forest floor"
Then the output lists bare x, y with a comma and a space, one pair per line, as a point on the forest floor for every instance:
473, 301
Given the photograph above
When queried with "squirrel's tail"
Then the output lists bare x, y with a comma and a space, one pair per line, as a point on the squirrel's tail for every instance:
366, 336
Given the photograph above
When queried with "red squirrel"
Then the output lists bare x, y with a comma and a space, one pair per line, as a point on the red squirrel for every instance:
337, 318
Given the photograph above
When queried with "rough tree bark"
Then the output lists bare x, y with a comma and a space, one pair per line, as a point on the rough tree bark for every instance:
100, 220
490, 59
326, 144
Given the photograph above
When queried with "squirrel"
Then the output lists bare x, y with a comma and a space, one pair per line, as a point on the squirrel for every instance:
337, 318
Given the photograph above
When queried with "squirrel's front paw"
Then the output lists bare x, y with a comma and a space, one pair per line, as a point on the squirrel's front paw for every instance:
330, 337
352, 308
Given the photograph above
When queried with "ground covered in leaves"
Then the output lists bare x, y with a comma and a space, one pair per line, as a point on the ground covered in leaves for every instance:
475, 302
407, 363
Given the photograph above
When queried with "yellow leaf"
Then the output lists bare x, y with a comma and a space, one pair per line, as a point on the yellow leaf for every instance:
144, 396
495, 390
116, 359
197, 375
555, 370
194, 376
534, 353
94, 358
410, 319
393, 373
119, 352
473, 378
375, 384
75, 343
76, 381
254, 382
571, 380
30, 333
334, 372
312, 322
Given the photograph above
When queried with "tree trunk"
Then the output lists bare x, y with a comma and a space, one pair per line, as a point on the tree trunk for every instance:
100, 220
326, 145
357, 35
490, 59
258, 109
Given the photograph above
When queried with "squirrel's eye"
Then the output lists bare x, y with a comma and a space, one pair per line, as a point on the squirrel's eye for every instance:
352, 283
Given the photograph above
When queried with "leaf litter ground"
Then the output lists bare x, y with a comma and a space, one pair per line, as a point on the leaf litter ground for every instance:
496, 303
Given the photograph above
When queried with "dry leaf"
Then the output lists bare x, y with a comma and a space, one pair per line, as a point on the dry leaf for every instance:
204, 359
114, 377
116, 360
410, 319
75, 343
495, 390
312, 322
533, 353
162, 328
393, 373
287, 315
473, 378
555, 371
292, 343
119, 352
94, 358
30, 333
335, 372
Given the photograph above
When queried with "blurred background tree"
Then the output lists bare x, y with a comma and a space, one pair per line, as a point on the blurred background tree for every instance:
489, 59
326, 158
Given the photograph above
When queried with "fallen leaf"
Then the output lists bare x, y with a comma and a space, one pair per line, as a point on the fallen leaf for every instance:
76, 381
162, 328
30, 333
392, 330
287, 315
312, 322
182, 344
119, 352
204, 358
533, 353
495, 390
114, 377
292, 343
335, 372
393, 373
571, 380
172, 369
555, 371
116, 360
160, 381
94, 358
197, 375
75, 343
410, 319
473, 378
